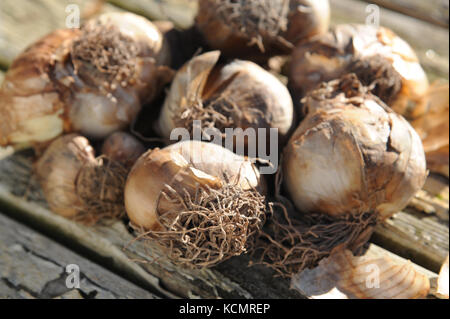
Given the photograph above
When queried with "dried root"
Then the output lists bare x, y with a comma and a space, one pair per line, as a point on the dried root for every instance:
216, 114
100, 188
290, 245
211, 226
109, 53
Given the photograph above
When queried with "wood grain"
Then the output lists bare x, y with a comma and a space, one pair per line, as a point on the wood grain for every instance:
33, 266
22, 22
433, 11
417, 237
181, 12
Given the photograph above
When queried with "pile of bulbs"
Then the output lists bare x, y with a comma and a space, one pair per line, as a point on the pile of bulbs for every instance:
346, 148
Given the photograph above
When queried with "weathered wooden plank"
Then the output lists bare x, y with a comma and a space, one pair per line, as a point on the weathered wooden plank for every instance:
32, 265
430, 42
115, 247
22, 22
418, 237
433, 11
181, 12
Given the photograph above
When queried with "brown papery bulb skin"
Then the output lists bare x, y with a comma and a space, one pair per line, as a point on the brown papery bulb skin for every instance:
198, 201
256, 30
91, 80
239, 94
123, 148
352, 154
57, 170
184, 165
77, 185
376, 54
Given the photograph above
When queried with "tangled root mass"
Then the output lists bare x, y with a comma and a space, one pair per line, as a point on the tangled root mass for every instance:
290, 245
109, 53
212, 226
100, 189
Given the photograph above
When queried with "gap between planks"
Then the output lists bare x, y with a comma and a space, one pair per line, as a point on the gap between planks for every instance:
35, 267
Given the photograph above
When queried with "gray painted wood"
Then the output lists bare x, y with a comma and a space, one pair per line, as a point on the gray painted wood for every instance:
33, 266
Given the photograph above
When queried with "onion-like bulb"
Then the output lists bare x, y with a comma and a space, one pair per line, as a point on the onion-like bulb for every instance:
77, 185
123, 148
376, 55
239, 94
91, 80
352, 154
199, 200
256, 30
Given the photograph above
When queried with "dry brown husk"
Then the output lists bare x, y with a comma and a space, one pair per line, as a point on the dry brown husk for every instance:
79, 186
239, 94
442, 283
199, 213
433, 128
256, 30
380, 59
91, 80
352, 154
345, 276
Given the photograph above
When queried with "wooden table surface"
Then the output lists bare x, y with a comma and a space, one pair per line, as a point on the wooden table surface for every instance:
36, 245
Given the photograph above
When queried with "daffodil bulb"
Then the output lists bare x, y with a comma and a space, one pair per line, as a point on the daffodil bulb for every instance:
352, 154
199, 200
256, 30
76, 184
238, 94
93, 80
380, 59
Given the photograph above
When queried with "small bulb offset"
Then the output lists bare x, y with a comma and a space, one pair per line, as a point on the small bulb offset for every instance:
238, 94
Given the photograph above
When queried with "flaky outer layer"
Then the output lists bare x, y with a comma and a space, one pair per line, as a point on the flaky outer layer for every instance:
256, 30
91, 80
356, 157
183, 167
186, 89
253, 97
30, 104
337, 52
57, 170
345, 276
